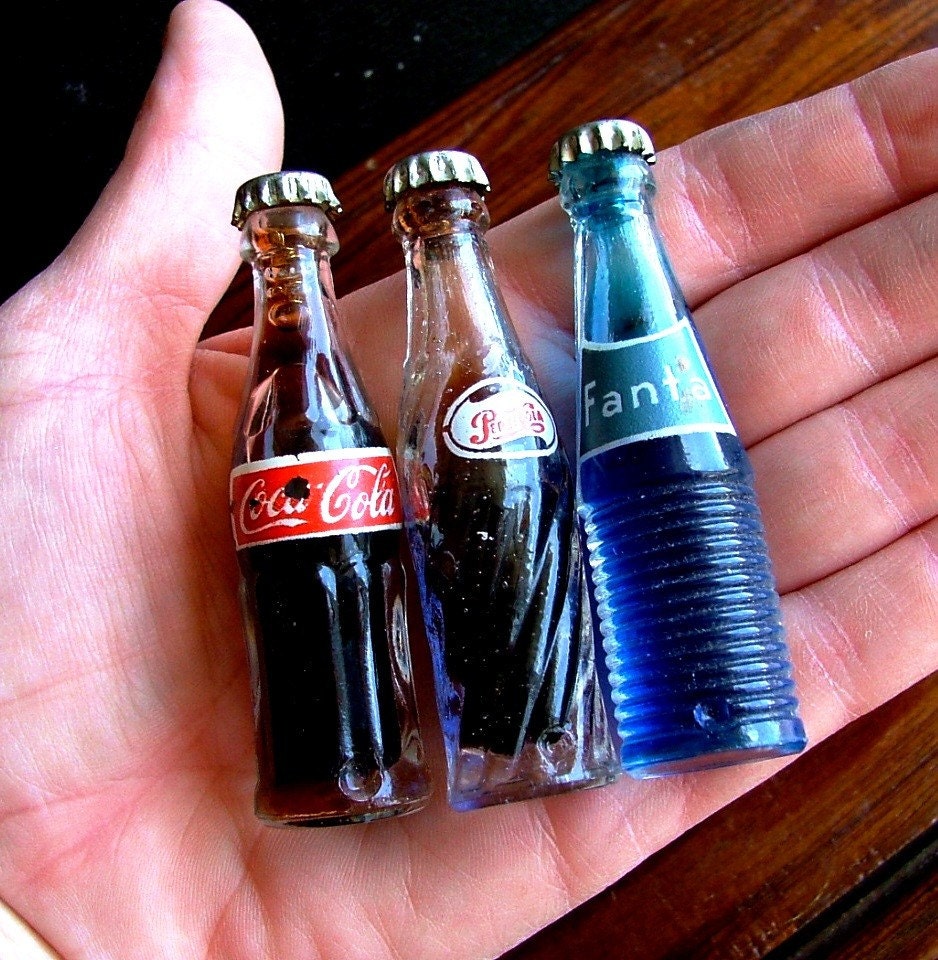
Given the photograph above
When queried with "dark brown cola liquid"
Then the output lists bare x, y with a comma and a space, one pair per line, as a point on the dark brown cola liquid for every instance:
327, 713
497, 557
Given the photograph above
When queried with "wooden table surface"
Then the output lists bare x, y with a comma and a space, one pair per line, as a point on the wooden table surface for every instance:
837, 856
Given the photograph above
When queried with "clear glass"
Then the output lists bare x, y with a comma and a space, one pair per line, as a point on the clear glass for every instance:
489, 502
683, 592
324, 614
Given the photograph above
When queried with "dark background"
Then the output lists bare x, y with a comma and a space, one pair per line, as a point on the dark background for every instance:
351, 75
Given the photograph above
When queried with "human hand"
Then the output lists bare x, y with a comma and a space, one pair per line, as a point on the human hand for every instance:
804, 240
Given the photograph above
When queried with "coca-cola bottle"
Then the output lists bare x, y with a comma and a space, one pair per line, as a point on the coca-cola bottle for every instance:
316, 519
489, 506
684, 593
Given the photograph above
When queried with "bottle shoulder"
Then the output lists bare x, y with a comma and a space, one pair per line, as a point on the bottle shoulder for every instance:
294, 410
663, 461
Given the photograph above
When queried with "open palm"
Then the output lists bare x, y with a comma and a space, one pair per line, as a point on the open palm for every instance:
806, 241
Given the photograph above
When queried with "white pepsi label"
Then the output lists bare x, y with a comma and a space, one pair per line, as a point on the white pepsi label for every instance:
499, 418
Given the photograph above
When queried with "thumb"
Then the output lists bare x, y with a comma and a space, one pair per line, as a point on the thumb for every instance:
157, 251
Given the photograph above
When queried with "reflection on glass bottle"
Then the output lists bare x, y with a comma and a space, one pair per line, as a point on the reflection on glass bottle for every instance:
489, 503
317, 523
683, 591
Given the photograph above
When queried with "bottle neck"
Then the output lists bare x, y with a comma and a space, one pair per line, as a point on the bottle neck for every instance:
625, 285
454, 305
289, 250
300, 389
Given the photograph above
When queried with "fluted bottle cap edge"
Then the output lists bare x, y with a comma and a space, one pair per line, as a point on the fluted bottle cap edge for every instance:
611, 135
435, 168
284, 188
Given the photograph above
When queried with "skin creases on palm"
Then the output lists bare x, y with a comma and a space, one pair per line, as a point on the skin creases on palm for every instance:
126, 827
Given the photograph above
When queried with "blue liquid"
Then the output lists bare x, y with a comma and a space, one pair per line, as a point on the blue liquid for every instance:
685, 601
682, 588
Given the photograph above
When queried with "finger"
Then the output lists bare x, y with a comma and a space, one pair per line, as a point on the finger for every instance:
753, 195
866, 633
850, 480
157, 251
211, 119
826, 325
740, 198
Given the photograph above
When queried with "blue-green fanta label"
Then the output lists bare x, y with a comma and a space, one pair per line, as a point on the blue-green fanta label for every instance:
647, 387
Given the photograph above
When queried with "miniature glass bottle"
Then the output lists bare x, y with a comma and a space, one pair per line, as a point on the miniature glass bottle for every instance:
683, 591
489, 503
317, 523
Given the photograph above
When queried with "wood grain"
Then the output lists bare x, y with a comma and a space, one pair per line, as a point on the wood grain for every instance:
790, 858
892, 913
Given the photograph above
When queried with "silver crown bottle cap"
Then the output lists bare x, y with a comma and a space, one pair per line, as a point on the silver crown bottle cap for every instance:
283, 189
590, 138
434, 167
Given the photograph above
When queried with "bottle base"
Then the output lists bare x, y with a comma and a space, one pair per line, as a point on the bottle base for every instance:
481, 779
751, 744
391, 793
281, 817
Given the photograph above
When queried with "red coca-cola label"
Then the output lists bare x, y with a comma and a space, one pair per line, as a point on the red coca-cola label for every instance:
314, 495
499, 418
